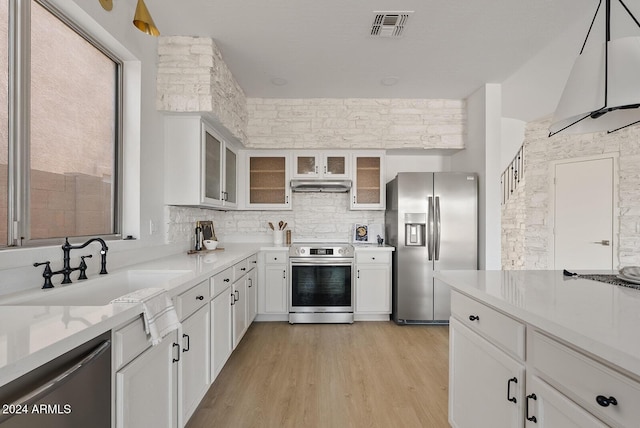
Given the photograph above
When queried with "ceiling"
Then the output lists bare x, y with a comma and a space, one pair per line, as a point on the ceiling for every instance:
323, 48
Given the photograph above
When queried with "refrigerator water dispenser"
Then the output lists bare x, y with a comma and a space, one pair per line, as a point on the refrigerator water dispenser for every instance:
414, 233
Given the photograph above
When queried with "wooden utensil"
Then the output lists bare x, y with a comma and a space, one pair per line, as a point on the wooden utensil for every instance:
280, 223
284, 226
271, 226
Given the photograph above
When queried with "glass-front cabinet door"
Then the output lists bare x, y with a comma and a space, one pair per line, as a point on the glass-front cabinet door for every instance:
268, 181
230, 177
212, 167
313, 164
368, 191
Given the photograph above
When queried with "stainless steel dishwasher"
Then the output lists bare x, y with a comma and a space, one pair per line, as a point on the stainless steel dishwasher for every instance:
72, 391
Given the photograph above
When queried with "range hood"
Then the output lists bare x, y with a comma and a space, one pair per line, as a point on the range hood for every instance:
327, 186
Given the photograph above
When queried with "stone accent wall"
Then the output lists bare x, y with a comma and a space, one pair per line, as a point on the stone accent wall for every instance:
536, 241
356, 123
315, 216
192, 77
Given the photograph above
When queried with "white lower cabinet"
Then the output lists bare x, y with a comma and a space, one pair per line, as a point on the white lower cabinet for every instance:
373, 282
239, 310
147, 388
252, 296
485, 384
221, 331
548, 408
195, 360
273, 294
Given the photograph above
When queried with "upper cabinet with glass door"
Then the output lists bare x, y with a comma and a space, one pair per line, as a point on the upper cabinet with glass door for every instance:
368, 189
314, 164
200, 165
267, 180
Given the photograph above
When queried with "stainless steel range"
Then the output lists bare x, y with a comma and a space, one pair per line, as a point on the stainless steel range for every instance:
321, 283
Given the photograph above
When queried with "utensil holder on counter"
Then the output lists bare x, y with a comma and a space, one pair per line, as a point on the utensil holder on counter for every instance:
278, 237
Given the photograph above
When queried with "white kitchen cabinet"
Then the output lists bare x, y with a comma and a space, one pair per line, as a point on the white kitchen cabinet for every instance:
221, 330
548, 408
239, 310
323, 164
266, 177
368, 188
252, 295
201, 166
273, 294
486, 386
195, 360
373, 282
147, 388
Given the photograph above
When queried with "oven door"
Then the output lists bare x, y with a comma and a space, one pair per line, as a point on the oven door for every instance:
321, 285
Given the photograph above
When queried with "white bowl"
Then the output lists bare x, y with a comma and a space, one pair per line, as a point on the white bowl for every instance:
210, 245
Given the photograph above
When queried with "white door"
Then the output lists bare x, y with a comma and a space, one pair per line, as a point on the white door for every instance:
195, 360
584, 214
221, 331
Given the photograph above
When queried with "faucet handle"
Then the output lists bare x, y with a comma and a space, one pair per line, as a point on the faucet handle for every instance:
46, 274
83, 266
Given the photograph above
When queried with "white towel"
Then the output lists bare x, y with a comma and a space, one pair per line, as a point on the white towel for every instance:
159, 315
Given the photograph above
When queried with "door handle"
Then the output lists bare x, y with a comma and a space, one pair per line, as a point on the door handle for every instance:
430, 237
604, 242
437, 231
509, 397
186, 336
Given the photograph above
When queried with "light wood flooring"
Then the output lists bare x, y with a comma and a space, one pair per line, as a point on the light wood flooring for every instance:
368, 374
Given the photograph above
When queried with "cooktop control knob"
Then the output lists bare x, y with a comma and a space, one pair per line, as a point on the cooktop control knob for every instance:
341, 251
301, 250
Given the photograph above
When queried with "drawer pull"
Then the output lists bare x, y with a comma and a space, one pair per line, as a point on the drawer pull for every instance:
199, 297
226, 280
509, 397
474, 318
531, 418
604, 401
243, 269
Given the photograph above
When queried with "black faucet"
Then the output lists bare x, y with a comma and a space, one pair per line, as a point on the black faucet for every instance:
67, 269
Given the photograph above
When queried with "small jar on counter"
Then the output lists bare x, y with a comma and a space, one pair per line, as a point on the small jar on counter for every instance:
287, 239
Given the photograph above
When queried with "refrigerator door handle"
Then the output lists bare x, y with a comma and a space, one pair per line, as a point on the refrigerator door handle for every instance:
430, 240
437, 231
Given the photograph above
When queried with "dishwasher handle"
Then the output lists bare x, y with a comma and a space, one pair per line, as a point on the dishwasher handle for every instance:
38, 393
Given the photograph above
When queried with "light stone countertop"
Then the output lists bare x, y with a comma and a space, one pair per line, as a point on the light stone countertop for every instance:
599, 318
33, 335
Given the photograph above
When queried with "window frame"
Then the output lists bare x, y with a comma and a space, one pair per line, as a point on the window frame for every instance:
19, 98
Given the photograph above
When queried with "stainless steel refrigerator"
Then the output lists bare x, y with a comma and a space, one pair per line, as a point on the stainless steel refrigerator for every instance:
432, 220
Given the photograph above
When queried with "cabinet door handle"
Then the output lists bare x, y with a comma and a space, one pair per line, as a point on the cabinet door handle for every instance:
178, 359
199, 297
509, 397
358, 276
604, 401
530, 418
233, 299
250, 282
226, 280
186, 336
236, 293
243, 269
316, 169
474, 318
284, 273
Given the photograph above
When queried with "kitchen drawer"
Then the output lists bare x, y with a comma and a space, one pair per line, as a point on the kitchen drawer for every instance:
220, 281
240, 269
129, 342
370, 257
252, 262
192, 299
584, 380
275, 257
500, 329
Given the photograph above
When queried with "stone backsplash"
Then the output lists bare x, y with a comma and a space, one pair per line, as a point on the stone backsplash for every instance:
315, 216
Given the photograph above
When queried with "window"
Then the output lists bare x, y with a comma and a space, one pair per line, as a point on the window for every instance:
60, 149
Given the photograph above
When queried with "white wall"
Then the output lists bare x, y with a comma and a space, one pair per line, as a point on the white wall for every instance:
482, 156
415, 163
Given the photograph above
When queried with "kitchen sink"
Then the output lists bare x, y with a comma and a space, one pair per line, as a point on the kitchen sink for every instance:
96, 291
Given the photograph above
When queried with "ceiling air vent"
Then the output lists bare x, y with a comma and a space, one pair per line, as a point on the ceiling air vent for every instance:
389, 24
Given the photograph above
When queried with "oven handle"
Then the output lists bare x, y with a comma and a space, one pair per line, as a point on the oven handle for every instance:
319, 261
